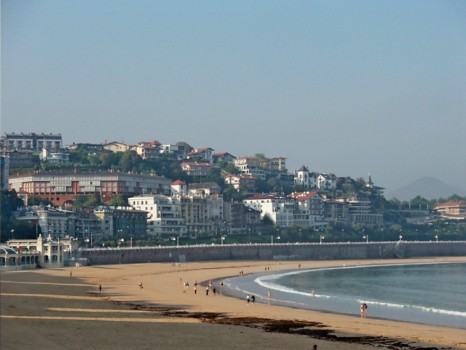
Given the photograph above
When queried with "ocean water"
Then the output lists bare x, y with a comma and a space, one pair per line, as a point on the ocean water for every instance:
420, 293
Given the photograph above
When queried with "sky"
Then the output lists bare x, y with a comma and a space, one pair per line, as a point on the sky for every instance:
345, 87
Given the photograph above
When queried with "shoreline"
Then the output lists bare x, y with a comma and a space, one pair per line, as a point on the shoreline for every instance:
258, 284
163, 296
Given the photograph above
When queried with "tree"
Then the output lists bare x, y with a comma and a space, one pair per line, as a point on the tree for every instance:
119, 201
35, 200
130, 161
9, 203
87, 201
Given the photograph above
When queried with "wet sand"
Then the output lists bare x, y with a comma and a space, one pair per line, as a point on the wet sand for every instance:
50, 308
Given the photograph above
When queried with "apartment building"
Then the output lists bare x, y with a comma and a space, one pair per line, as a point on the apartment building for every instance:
60, 187
32, 141
310, 210
121, 222
278, 209
164, 215
250, 166
202, 214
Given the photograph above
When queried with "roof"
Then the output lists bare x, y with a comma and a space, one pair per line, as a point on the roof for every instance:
451, 204
199, 150
303, 196
259, 196
4, 249
178, 182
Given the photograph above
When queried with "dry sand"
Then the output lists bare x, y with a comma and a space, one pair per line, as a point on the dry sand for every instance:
51, 309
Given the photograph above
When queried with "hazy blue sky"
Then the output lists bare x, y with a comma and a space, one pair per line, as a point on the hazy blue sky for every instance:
348, 87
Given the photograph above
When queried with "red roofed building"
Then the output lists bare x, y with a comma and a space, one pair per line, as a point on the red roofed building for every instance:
455, 210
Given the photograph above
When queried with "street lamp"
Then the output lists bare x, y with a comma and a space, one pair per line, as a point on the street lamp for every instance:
321, 239
366, 237
177, 239
222, 239
401, 237
436, 238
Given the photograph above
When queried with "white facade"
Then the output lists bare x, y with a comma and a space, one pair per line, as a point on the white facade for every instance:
303, 177
44, 252
326, 182
250, 166
163, 214
279, 210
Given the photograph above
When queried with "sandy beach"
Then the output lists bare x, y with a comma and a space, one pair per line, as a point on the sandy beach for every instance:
65, 309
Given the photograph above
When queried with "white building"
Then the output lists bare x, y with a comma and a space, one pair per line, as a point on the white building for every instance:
303, 177
43, 252
278, 209
54, 157
250, 166
163, 214
326, 182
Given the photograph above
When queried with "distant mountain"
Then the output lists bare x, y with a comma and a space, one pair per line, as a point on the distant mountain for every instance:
426, 187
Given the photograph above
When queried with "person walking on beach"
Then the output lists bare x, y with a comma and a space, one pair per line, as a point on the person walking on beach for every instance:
253, 298
247, 299
100, 289
207, 290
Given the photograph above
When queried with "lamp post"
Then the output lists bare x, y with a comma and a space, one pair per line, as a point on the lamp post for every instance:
400, 237
321, 239
436, 238
300, 236
366, 237
222, 239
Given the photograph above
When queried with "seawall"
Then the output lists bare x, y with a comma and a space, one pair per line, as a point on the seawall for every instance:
279, 251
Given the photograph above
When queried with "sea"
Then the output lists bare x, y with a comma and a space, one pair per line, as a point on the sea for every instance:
428, 293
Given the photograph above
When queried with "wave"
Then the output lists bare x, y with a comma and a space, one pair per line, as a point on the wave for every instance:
267, 281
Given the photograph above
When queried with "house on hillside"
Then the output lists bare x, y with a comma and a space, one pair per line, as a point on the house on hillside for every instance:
116, 146
204, 154
223, 157
148, 150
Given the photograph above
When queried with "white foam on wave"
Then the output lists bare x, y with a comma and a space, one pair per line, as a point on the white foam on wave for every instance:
267, 282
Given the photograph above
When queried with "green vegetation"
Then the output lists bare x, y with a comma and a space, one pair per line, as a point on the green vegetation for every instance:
397, 214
